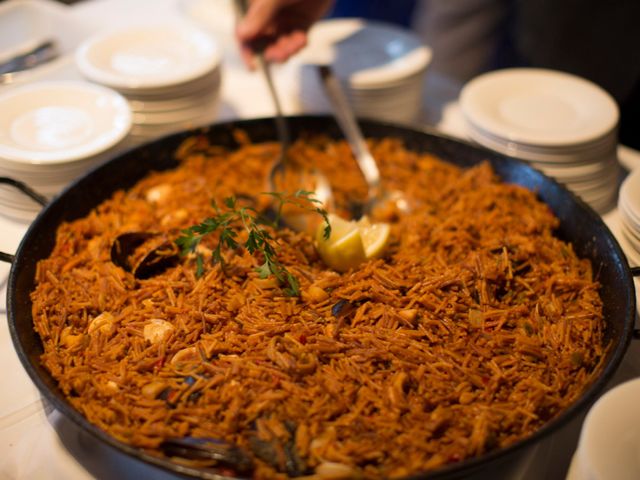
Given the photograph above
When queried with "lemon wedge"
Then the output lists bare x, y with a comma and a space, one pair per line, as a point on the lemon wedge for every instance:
375, 237
351, 243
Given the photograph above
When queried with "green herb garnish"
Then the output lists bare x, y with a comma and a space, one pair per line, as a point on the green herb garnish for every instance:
233, 217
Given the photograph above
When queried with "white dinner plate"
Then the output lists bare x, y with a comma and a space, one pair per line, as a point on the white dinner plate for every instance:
148, 56
603, 170
206, 106
630, 195
609, 444
633, 235
627, 216
367, 54
60, 121
141, 104
614, 222
392, 104
558, 158
559, 153
539, 107
629, 158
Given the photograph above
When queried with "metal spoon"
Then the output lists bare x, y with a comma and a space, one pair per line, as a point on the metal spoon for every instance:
368, 166
310, 179
317, 182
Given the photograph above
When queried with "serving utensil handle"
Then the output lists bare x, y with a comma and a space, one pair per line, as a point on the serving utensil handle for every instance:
24, 188
282, 128
347, 120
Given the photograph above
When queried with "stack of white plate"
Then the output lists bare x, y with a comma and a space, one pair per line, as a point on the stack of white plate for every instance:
170, 74
629, 208
609, 444
51, 133
381, 66
561, 124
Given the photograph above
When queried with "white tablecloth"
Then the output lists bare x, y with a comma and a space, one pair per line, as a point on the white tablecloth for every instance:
37, 442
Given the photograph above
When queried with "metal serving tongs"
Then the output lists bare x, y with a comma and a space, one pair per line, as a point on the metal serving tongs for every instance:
308, 179
345, 117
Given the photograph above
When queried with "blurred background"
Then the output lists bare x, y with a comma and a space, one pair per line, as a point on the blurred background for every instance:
596, 40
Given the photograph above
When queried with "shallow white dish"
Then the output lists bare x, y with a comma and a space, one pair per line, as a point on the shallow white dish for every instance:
27, 23
209, 83
558, 157
60, 121
367, 54
632, 235
609, 446
206, 106
597, 171
148, 56
539, 107
605, 143
20, 29
633, 256
630, 195
402, 104
629, 158
628, 218
381, 67
630, 224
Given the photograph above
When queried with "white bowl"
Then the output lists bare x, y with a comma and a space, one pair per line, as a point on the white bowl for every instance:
148, 56
56, 122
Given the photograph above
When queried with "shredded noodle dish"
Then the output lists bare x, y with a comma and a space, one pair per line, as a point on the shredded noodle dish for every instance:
475, 328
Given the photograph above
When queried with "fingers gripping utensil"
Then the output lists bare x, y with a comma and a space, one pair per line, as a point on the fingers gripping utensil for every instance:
367, 164
309, 179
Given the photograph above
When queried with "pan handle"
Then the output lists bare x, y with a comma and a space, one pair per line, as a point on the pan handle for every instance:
24, 188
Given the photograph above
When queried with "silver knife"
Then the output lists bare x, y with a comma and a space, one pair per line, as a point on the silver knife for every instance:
41, 53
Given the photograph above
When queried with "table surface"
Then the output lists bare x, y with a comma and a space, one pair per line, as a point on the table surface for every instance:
36, 441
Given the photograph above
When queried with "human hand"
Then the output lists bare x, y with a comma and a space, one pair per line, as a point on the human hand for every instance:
277, 27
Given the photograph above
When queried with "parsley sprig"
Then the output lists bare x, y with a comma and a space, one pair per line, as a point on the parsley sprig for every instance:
234, 217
